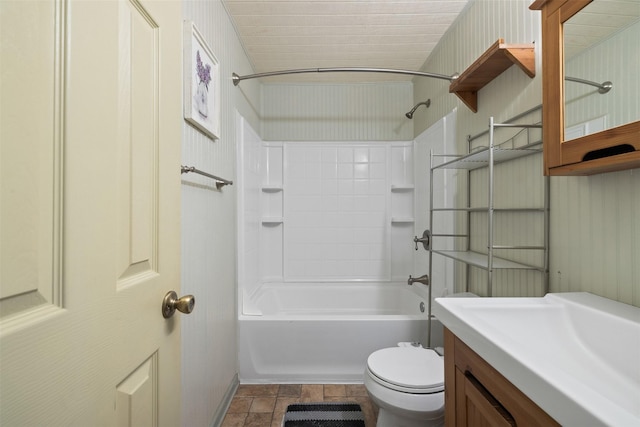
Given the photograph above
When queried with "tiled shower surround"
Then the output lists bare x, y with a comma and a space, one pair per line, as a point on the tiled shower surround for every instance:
326, 211
336, 212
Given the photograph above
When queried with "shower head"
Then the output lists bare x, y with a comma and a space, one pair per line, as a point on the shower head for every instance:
413, 110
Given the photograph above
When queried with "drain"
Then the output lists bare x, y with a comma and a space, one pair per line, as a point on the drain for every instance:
421, 306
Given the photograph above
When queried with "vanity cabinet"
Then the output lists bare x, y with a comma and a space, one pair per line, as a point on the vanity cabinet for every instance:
476, 394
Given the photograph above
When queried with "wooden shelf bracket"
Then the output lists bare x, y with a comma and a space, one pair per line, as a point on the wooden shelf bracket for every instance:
497, 59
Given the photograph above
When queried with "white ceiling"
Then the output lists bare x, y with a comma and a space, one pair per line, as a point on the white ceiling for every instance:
598, 21
295, 34
298, 34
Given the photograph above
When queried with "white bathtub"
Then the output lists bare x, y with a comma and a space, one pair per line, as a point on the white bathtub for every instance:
323, 333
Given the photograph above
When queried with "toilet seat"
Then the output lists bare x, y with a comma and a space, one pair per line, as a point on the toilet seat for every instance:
407, 369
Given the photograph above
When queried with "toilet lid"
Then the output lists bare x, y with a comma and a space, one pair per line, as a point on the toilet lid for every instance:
415, 369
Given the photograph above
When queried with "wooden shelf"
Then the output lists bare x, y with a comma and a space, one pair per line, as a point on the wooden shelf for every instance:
490, 65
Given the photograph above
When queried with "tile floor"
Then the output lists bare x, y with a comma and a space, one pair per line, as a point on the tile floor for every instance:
264, 405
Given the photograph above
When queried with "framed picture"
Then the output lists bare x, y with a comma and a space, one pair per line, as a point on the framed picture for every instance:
201, 83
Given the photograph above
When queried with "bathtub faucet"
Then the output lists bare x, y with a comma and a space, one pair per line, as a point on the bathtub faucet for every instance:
424, 279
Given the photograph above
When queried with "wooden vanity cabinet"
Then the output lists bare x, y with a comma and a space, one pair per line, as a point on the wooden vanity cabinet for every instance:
477, 395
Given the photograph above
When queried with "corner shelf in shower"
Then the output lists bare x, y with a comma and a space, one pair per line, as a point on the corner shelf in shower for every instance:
402, 204
273, 217
496, 60
272, 220
401, 220
401, 188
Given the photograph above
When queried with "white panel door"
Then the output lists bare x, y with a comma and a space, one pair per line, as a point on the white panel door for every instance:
90, 119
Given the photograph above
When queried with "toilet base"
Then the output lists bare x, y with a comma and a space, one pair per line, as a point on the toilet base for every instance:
389, 419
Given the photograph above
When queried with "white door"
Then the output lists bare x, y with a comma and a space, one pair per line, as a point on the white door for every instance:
89, 212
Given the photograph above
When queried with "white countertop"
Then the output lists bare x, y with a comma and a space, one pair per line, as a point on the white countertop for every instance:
576, 355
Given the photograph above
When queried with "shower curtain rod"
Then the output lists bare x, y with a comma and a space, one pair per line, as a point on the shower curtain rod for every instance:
603, 87
237, 79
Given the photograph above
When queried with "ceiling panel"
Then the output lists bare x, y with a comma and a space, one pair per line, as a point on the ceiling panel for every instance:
294, 34
598, 21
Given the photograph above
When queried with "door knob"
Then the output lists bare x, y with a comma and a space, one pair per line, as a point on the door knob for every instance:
171, 303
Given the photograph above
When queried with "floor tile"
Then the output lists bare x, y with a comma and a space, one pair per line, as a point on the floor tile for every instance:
356, 390
234, 420
263, 404
335, 390
257, 390
290, 390
283, 402
258, 419
312, 393
240, 405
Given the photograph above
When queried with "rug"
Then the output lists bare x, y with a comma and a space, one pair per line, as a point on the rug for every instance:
323, 414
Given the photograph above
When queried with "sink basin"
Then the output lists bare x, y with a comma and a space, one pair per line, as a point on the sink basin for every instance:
576, 355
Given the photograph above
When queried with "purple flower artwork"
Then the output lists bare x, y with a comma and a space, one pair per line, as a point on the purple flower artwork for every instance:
202, 90
204, 71
201, 101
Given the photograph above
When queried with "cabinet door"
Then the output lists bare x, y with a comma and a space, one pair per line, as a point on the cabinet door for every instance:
476, 394
477, 407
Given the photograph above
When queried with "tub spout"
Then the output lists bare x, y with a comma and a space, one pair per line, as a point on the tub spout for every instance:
424, 279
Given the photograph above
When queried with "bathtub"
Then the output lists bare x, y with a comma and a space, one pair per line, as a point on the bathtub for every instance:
323, 333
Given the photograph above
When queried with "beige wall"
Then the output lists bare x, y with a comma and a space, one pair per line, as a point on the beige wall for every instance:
208, 228
595, 231
595, 239
337, 112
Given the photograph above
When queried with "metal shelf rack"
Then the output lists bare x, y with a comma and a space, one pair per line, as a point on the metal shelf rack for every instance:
488, 157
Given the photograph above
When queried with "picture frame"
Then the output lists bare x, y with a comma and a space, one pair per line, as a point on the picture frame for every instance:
201, 94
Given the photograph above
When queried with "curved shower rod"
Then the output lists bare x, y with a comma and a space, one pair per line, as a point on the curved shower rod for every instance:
603, 87
237, 79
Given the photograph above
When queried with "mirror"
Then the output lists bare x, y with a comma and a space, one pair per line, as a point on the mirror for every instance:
600, 48
615, 145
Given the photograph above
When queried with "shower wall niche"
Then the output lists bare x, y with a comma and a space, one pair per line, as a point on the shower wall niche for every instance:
271, 213
324, 212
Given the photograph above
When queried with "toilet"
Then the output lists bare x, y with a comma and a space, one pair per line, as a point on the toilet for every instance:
407, 384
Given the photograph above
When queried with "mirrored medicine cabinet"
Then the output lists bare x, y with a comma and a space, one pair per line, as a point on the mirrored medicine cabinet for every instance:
590, 62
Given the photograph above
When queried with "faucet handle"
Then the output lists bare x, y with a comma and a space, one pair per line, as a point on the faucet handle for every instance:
424, 279
425, 240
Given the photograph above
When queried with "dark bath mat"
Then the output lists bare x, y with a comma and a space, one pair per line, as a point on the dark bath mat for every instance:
323, 414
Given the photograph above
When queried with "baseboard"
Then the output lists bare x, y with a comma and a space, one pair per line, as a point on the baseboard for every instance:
226, 401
